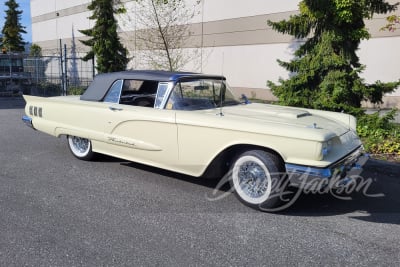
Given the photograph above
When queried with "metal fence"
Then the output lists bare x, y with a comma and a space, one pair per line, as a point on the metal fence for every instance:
44, 75
54, 75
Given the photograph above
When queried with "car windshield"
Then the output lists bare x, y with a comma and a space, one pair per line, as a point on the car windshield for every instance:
200, 94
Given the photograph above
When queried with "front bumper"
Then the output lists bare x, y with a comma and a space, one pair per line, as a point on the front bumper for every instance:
28, 121
339, 171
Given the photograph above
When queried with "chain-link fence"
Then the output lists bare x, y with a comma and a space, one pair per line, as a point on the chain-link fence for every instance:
45, 75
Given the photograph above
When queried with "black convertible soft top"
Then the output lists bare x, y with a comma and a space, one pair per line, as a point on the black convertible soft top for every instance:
102, 82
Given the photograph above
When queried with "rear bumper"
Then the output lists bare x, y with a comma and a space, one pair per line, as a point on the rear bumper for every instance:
339, 171
28, 121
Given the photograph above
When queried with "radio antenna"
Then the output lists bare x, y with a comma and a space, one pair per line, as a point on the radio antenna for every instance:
221, 87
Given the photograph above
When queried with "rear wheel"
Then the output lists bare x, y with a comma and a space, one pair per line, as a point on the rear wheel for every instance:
255, 176
80, 147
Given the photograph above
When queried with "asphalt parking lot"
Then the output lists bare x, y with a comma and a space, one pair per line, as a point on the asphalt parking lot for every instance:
58, 211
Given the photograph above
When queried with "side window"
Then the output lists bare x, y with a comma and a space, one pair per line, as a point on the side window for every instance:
114, 92
139, 93
131, 87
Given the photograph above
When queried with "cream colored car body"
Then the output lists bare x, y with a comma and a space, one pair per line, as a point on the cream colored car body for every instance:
188, 141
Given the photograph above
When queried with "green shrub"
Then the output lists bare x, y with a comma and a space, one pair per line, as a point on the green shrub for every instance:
380, 135
76, 90
49, 89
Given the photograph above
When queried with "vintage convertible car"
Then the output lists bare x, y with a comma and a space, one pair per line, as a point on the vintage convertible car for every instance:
191, 123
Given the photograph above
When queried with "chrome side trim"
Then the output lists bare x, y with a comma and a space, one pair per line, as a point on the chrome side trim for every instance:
28, 121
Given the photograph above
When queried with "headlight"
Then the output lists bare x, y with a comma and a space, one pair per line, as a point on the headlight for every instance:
326, 148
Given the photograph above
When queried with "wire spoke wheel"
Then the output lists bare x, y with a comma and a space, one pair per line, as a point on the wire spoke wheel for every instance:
252, 177
80, 147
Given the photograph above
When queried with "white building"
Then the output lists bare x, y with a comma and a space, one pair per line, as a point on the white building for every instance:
235, 40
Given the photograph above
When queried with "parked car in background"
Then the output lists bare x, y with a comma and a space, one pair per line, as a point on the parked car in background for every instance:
193, 124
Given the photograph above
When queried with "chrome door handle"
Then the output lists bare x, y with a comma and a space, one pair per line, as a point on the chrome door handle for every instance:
114, 108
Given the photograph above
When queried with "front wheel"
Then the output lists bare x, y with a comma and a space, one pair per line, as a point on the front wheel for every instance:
80, 147
255, 175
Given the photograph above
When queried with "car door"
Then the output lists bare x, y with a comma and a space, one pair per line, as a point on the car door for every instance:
141, 134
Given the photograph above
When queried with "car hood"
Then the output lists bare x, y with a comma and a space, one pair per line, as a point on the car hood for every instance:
295, 117
276, 120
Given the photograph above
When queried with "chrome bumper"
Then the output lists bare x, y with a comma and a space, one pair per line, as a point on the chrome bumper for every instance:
351, 164
28, 121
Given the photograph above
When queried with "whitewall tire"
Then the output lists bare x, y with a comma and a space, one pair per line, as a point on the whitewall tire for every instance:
253, 176
80, 147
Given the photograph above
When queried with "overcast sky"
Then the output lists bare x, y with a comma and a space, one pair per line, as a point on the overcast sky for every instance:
25, 18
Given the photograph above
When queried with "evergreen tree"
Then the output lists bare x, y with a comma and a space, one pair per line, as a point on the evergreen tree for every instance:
326, 69
105, 44
12, 39
35, 51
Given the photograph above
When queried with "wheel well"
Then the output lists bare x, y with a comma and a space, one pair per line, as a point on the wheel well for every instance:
220, 165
